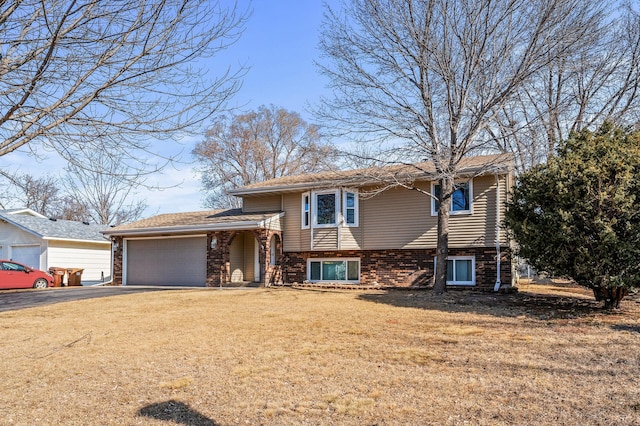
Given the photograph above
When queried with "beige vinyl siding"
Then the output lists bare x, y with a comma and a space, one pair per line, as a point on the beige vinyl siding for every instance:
396, 218
268, 203
292, 235
275, 223
95, 259
400, 219
242, 257
351, 237
249, 256
479, 228
325, 239
236, 259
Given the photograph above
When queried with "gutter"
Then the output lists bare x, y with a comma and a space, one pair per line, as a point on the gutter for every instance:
241, 226
184, 229
354, 181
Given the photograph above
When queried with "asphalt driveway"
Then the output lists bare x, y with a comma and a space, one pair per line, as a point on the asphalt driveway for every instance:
13, 300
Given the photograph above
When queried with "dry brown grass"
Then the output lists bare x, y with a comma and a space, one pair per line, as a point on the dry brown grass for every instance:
275, 356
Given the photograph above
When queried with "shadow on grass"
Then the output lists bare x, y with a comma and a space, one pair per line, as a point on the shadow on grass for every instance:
533, 305
176, 411
626, 327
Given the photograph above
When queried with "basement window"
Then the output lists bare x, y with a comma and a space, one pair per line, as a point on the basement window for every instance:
461, 270
346, 270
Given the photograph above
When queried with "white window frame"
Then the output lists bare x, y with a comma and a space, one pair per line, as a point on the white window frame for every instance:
434, 210
356, 207
454, 259
314, 208
306, 213
334, 259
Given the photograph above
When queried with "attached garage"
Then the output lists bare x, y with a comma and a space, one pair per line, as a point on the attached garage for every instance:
170, 261
206, 248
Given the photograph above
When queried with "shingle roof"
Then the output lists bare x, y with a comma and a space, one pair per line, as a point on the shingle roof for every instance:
201, 220
371, 176
55, 229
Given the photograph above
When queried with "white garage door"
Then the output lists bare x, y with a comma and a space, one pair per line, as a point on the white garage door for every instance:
167, 261
27, 255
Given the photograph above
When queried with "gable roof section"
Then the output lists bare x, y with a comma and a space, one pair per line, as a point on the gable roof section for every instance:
27, 212
471, 166
201, 221
47, 229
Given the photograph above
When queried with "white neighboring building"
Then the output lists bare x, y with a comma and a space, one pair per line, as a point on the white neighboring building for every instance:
33, 239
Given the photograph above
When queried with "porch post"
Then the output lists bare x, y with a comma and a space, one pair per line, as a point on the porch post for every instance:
217, 258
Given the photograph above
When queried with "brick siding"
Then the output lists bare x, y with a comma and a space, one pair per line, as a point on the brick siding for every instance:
400, 268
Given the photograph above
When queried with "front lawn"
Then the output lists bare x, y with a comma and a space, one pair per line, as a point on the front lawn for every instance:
278, 356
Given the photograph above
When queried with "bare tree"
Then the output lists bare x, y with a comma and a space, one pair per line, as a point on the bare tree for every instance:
71, 208
247, 148
104, 194
85, 75
596, 83
38, 194
427, 76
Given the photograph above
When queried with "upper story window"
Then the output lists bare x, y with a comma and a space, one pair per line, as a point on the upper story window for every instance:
350, 208
461, 198
331, 208
306, 210
325, 210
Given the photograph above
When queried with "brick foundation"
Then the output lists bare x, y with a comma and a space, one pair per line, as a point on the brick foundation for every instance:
401, 268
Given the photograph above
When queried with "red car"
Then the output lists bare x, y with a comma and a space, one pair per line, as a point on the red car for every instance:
16, 275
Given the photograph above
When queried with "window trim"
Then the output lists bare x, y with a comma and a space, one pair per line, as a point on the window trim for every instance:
333, 259
454, 259
434, 210
306, 213
356, 207
314, 208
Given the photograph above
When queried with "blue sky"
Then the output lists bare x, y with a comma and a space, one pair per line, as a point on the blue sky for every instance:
279, 46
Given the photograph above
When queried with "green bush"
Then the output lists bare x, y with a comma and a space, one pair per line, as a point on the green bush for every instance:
578, 216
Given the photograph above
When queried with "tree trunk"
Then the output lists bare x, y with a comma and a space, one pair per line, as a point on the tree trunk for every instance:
442, 248
610, 296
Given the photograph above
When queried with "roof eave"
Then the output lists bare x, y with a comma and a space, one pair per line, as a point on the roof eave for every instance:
22, 227
500, 168
280, 188
242, 226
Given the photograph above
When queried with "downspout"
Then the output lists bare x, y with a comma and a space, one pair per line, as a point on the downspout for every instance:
496, 287
311, 218
340, 217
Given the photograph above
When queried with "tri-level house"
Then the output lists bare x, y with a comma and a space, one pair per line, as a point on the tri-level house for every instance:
368, 227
